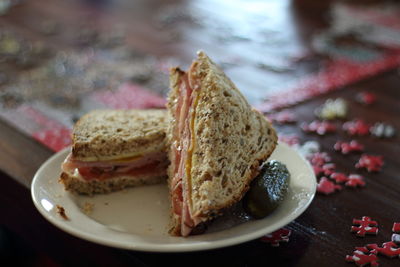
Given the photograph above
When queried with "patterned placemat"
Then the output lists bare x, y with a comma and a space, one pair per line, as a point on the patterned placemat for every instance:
44, 92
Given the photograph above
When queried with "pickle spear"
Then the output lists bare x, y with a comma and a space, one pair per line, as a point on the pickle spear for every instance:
267, 190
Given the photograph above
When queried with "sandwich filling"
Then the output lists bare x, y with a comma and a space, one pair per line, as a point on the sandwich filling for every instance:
102, 170
182, 147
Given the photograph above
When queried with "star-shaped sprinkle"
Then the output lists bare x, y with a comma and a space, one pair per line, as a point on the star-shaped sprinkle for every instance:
355, 180
281, 235
370, 162
339, 178
332, 109
356, 127
327, 187
319, 127
364, 226
348, 147
382, 130
319, 158
362, 257
389, 249
326, 169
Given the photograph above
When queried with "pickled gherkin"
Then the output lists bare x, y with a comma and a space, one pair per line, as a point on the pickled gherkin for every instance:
267, 190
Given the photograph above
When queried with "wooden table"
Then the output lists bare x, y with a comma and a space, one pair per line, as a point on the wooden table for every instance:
320, 237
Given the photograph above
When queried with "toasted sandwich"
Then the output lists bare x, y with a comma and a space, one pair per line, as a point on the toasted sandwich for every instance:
115, 149
217, 143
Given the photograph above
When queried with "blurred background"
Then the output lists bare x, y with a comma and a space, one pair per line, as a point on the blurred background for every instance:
59, 59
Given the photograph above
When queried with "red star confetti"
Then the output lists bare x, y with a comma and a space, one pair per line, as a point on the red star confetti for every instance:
362, 257
283, 117
326, 169
327, 187
319, 127
370, 162
356, 127
347, 147
396, 227
319, 158
382, 130
281, 235
389, 249
355, 180
365, 226
366, 98
339, 178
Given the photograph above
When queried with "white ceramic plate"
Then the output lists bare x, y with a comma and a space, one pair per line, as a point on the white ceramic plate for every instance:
137, 218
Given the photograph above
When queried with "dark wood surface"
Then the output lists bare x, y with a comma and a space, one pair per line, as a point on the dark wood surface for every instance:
320, 237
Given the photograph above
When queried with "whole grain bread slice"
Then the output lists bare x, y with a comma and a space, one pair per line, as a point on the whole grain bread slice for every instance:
113, 134
231, 140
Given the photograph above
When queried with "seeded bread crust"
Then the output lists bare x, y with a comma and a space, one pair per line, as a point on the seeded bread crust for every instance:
109, 134
231, 142
79, 186
175, 76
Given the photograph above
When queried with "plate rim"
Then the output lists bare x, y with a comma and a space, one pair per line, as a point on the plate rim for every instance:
167, 248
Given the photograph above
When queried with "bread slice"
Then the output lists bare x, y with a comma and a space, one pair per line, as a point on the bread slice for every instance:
229, 142
112, 134
115, 149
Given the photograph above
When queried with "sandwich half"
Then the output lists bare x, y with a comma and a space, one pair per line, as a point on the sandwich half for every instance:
217, 143
115, 149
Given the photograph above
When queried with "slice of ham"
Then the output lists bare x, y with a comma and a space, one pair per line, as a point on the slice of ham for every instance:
71, 163
100, 170
181, 147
